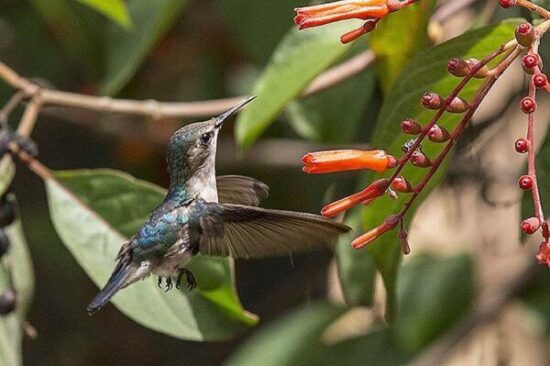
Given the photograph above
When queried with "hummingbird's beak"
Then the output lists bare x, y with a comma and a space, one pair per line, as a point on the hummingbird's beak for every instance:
222, 117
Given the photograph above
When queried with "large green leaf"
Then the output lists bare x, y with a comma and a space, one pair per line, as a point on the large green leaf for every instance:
126, 50
427, 72
334, 115
113, 9
299, 58
295, 340
356, 269
7, 171
18, 261
94, 212
433, 294
398, 38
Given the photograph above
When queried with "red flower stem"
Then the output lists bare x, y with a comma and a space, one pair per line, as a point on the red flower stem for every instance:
531, 166
403, 161
482, 92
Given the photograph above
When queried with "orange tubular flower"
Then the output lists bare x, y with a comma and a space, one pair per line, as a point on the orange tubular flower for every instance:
544, 254
371, 10
374, 190
341, 160
389, 223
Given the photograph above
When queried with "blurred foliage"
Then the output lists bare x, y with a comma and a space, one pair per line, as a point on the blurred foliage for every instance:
15, 270
180, 50
113, 206
403, 101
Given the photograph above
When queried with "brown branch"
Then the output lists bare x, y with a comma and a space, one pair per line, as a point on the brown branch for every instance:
157, 109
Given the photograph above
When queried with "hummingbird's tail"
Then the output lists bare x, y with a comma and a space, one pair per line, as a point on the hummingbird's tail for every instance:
119, 279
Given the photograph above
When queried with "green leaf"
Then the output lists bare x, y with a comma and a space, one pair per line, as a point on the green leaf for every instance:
334, 115
356, 269
295, 340
126, 50
378, 348
95, 211
427, 72
113, 9
299, 58
434, 293
20, 270
260, 25
398, 38
7, 172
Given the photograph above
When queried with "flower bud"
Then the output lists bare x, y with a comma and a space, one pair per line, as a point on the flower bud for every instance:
525, 182
7, 302
432, 100
401, 184
4, 243
528, 105
458, 105
352, 159
352, 35
507, 3
525, 34
458, 67
374, 190
410, 127
389, 223
543, 255
529, 62
483, 72
438, 134
522, 145
540, 80
420, 160
530, 225
404, 241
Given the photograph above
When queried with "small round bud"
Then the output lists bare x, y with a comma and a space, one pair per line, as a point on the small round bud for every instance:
525, 34
458, 67
507, 3
528, 105
432, 100
401, 184
458, 105
4, 243
7, 212
522, 145
530, 225
410, 127
8, 302
483, 72
540, 80
420, 160
529, 63
525, 182
438, 134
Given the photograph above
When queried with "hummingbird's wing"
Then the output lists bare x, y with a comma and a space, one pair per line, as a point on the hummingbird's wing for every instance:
244, 232
241, 190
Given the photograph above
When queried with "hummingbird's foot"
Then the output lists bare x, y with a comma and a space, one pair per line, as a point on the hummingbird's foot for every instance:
191, 282
159, 282
169, 284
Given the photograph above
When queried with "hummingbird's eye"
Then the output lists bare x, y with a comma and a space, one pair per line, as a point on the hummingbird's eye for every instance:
206, 137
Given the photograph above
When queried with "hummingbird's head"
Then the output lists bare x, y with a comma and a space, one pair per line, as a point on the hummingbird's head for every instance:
193, 147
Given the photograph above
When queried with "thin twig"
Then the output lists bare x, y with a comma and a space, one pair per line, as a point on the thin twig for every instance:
157, 109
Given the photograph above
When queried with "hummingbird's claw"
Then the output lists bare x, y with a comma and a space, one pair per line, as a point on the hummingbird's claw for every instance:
169, 284
159, 282
191, 282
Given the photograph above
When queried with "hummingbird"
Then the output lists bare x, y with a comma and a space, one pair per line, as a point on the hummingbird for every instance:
215, 216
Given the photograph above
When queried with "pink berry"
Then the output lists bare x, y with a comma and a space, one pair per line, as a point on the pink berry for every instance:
507, 3
530, 225
525, 182
528, 105
540, 80
530, 61
522, 145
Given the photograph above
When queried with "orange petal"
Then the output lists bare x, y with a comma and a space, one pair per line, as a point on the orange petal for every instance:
312, 16
341, 160
374, 190
544, 254
389, 223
